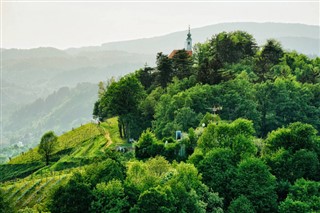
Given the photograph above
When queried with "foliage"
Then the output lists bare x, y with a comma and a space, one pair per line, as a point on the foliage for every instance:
269, 56
109, 197
185, 118
293, 152
229, 135
12, 171
267, 93
223, 48
149, 174
104, 171
5, 206
181, 64
155, 200
218, 170
254, 180
177, 185
207, 118
304, 196
241, 205
121, 99
286, 101
47, 145
75, 196
293, 138
164, 66
145, 77
305, 69
148, 146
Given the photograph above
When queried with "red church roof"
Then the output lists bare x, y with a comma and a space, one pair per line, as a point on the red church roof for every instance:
175, 51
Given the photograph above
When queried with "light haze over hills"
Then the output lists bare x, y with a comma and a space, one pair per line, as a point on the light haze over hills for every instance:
33, 76
300, 37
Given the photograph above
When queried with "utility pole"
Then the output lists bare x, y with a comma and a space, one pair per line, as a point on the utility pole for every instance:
215, 109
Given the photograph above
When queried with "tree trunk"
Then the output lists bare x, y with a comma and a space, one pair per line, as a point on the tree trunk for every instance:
47, 159
124, 130
120, 129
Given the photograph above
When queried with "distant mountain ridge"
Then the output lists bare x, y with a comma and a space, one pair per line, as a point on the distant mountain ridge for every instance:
300, 37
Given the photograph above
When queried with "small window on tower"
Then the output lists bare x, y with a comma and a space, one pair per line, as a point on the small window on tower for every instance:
188, 43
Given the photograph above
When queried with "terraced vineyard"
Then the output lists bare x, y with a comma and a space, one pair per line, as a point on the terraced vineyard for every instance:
27, 182
87, 137
30, 191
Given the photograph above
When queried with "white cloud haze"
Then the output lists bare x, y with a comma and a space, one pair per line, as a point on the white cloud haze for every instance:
75, 24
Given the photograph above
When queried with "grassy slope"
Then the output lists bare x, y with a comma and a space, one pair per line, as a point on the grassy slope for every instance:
74, 150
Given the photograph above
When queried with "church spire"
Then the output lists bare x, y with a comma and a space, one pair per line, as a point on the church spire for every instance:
189, 41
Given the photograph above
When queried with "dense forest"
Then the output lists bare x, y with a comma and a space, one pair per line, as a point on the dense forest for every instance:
232, 128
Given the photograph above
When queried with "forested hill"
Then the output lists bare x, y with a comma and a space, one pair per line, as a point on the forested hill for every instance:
232, 128
31, 74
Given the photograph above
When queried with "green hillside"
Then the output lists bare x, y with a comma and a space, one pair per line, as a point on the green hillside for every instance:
232, 128
26, 180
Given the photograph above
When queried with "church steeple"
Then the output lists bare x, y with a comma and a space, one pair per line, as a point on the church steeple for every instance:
189, 41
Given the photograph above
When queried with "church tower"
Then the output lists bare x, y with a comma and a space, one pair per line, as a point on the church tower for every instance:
189, 41
187, 48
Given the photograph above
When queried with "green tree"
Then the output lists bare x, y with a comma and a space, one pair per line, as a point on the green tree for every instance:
187, 200
122, 99
188, 190
243, 147
269, 56
226, 135
285, 101
109, 197
218, 169
291, 206
27, 210
148, 146
182, 64
264, 96
73, 197
145, 76
164, 67
185, 118
202, 68
304, 196
148, 105
279, 163
305, 69
222, 49
254, 180
281, 70
214, 202
233, 46
238, 99
207, 118
305, 164
241, 205
47, 145
292, 103
207, 140
102, 89
156, 200
197, 99
104, 171
145, 175
293, 138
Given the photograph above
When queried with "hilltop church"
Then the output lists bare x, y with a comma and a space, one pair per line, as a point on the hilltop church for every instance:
188, 46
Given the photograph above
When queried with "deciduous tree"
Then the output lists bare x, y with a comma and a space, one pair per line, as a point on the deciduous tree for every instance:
47, 145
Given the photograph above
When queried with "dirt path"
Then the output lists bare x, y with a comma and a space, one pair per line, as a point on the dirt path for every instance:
108, 139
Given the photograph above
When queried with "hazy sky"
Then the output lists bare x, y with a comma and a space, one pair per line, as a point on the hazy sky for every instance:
75, 24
